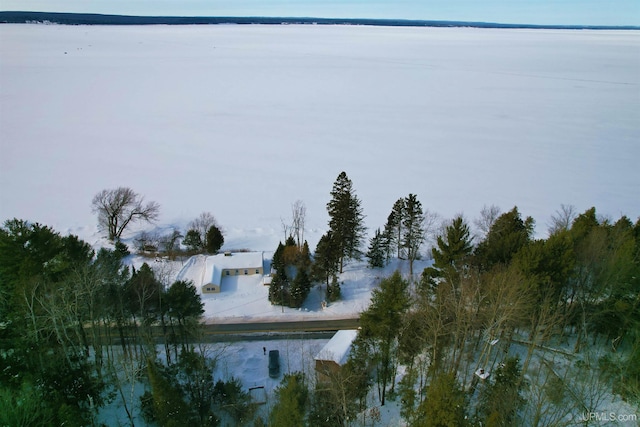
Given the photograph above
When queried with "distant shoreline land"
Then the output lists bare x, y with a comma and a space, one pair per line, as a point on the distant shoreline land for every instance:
17, 17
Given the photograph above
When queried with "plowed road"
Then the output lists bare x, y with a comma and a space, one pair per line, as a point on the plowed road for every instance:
298, 326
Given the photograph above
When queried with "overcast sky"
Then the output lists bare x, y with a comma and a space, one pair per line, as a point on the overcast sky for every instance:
563, 12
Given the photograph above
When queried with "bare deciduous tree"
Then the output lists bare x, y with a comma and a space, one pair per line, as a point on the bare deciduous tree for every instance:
488, 216
562, 219
119, 207
170, 243
431, 225
298, 215
202, 224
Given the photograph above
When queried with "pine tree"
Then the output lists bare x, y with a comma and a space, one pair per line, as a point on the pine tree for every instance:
376, 252
304, 258
393, 228
502, 398
184, 305
291, 401
453, 250
508, 234
333, 290
169, 406
381, 324
214, 240
413, 235
291, 252
300, 288
279, 288
193, 240
195, 375
346, 220
444, 405
277, 262
326, 259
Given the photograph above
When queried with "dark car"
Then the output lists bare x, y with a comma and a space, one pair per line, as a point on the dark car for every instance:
274, 363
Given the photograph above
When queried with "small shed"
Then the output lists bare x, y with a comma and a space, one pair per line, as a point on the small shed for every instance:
334, 354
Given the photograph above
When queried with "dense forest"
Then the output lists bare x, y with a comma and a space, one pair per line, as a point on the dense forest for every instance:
503, 329
515, 330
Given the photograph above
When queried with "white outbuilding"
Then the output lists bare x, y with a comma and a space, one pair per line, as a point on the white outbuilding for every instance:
334, 354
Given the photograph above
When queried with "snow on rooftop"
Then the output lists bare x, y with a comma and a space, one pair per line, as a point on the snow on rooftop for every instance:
214, 265
338, 347
236, 260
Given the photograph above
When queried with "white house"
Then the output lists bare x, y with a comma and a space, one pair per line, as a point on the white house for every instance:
230, 264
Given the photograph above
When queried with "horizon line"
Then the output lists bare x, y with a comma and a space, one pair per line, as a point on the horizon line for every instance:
79, 18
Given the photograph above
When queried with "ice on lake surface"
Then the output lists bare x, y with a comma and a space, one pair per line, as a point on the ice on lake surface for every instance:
242, 121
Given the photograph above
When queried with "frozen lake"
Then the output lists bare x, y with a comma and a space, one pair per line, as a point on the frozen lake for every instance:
242, 121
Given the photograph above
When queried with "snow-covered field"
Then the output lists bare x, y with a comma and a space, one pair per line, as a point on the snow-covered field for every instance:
246, 298
242, 121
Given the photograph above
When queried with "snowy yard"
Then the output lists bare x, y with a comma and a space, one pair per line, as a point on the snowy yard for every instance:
246, 298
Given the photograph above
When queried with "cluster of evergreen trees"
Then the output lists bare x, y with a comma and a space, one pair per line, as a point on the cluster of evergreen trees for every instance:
291, 283
403, 235
341, 243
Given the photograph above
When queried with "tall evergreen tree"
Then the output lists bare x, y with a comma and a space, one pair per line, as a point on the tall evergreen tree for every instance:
393, 228
444, 405
413, 236
292, 397
304, 258
376, 252
381, 324
502, 397
214, 240
279, 288
326, 259
452, 252
333, 289
508, 234
346, 220
194, 371
169, 406
184, 306
193, 241
277, 262
300, 288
